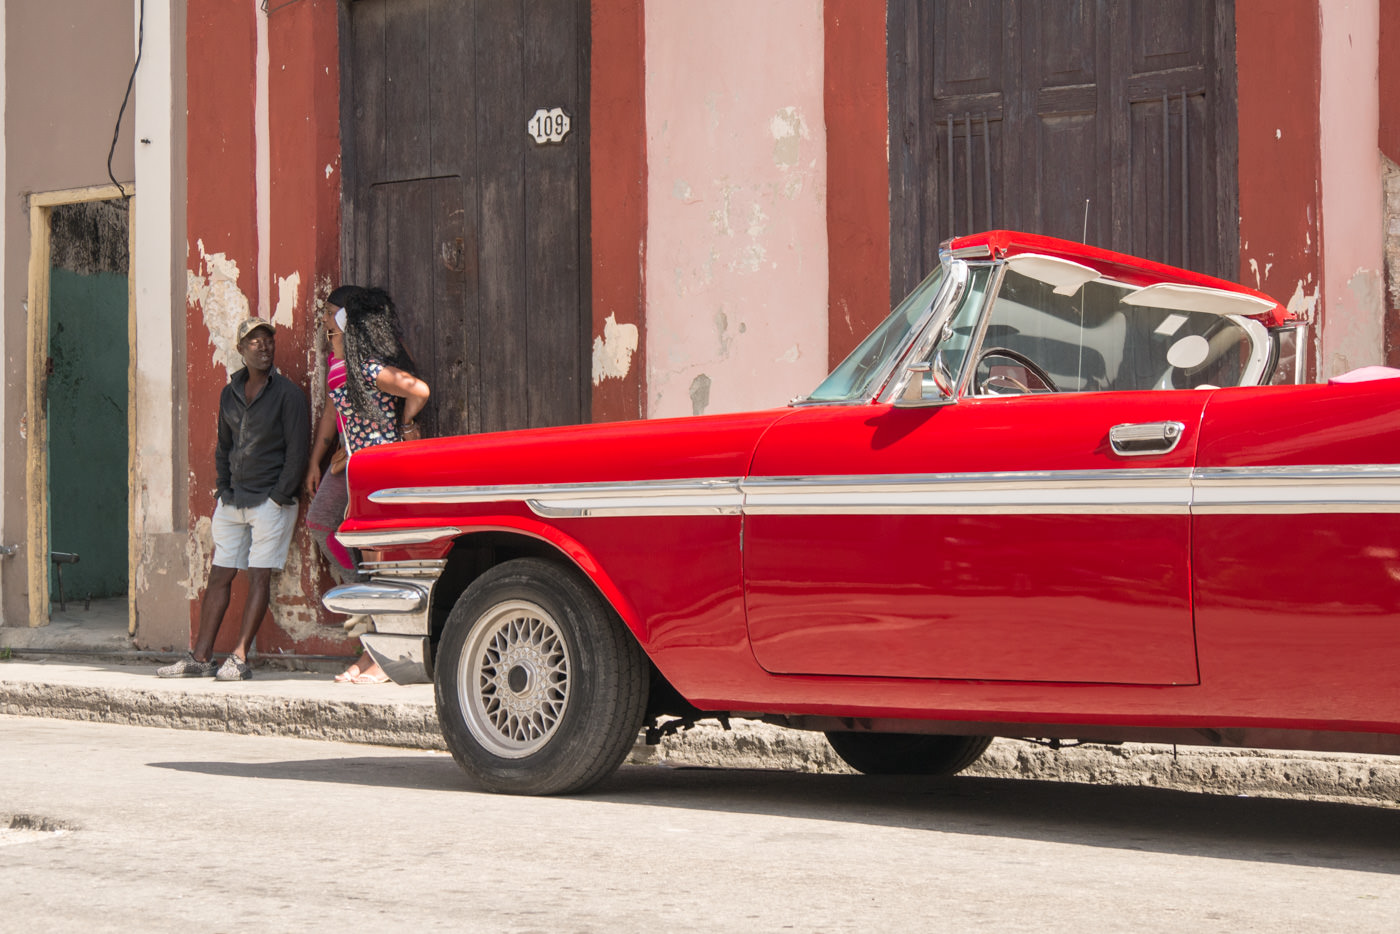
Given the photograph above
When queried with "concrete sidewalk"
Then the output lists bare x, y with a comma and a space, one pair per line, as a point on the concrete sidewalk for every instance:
311, 706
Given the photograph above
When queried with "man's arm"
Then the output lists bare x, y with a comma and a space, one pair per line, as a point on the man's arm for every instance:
222, 473
296, 423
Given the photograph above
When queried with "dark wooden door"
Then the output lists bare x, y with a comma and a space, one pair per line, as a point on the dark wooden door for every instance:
476, 228
1109, 121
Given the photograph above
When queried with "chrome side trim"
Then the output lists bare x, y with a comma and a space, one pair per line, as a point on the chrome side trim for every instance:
1256, 490
1031, 493
689, 497
380, 538
1360, 488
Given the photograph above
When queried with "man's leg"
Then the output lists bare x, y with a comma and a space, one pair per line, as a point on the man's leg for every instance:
254, 609
272, 535
212, 609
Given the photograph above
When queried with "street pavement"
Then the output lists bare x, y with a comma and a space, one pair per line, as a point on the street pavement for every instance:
309, 705
121, 828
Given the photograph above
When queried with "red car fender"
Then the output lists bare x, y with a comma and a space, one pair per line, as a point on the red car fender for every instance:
579, 555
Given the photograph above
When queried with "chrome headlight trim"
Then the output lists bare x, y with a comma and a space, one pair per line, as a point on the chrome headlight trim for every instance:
382, 538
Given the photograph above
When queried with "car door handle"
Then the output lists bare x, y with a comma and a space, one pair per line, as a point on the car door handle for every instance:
1134, 440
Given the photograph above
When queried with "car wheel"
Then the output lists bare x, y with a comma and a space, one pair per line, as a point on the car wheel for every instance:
540, 687
907, 753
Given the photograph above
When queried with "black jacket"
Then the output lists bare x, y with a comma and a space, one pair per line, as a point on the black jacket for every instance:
263, 446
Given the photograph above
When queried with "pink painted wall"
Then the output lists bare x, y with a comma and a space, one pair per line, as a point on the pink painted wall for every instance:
1352, 332
736, 257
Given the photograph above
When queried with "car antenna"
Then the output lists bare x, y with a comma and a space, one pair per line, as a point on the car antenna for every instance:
1084, 238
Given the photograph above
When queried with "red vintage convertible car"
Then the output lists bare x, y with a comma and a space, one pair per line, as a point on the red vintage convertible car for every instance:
1059, 493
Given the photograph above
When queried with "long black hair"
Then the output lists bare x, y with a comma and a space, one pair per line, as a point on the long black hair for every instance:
373, 331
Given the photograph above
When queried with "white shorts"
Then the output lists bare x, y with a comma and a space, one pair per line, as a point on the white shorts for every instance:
256, 536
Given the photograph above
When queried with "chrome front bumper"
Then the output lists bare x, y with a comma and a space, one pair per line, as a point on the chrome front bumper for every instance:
399, 598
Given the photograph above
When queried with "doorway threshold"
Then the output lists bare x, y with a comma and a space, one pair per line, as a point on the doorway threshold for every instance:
97, 629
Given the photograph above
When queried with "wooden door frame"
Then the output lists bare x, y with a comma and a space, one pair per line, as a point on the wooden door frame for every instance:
36, 385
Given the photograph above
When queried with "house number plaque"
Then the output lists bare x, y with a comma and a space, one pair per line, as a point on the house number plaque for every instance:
549, 126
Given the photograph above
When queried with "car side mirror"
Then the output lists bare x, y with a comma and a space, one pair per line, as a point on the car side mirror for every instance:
936, 372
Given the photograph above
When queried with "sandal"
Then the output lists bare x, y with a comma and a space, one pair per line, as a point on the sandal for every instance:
348, 676
380, 678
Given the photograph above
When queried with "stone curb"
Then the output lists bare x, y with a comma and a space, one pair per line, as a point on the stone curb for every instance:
1333, 777
1356, 779
413, 726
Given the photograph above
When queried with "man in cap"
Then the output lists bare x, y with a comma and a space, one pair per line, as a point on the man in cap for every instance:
264, 425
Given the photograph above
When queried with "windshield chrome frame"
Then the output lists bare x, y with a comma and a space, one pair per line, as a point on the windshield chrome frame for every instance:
931, 334
1262, 351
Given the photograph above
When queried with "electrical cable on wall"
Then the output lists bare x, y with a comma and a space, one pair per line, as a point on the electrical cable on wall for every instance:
140, 43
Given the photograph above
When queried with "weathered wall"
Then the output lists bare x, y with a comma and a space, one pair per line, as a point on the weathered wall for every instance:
65, 67
1352, 332
221, 248
736, 193
263, 232
1277, 46
858, 207
303, 220
617, 187
159, 459
1388, 74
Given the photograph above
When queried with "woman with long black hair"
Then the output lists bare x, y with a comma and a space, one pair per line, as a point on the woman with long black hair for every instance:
379, 401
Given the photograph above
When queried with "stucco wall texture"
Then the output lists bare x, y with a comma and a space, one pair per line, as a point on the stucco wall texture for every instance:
58, 122
736, 267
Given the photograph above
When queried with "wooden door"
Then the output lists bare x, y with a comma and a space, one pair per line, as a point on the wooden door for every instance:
476, 228
1108, 121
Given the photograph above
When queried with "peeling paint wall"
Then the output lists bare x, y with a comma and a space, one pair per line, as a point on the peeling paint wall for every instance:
1279, 156
858, 202
736, 257
212, 292
1391, 245
617, 188
1352, 333
1389, 142
264, 111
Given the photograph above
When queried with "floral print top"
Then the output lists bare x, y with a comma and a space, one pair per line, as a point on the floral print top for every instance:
361, 431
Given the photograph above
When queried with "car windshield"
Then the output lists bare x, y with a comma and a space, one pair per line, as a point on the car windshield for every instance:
1093, 340
855, 379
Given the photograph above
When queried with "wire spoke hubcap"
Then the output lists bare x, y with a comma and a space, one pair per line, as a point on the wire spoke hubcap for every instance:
515, 680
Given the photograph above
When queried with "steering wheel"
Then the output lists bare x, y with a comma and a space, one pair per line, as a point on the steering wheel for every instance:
1035, 369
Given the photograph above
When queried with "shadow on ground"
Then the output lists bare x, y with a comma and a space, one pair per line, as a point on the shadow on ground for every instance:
1358, 837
